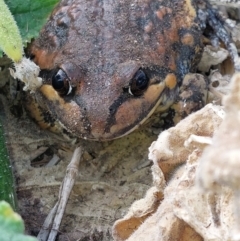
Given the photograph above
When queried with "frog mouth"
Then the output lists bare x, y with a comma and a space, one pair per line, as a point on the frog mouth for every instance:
114, 129
115, 126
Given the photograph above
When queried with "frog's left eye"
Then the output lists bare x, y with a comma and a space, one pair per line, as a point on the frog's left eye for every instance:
139, 83
61, 83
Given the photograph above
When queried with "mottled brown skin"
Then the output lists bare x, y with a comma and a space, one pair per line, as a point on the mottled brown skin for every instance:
100, 44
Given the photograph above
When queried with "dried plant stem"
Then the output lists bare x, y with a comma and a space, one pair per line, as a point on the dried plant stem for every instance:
57, 212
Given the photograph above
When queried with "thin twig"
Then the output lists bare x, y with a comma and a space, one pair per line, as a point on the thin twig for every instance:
64, 193
46, 228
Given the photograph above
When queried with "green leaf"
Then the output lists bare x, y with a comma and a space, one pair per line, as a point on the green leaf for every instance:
7, 185
30, 15
9, 220
10, 39
11, 225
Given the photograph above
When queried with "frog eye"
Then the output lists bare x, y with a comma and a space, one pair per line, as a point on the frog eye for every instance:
61, 83
138, 83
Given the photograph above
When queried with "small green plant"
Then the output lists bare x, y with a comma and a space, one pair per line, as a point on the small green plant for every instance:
7, 187
10, 39
11, 225
30, 16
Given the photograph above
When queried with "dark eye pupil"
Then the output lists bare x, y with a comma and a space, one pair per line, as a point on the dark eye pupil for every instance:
60, 82
141, 80
139, 83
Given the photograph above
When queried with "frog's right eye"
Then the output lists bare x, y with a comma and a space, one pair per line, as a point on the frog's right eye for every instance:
139, 83
61, 83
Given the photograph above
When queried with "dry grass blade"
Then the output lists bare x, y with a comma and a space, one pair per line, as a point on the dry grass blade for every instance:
57, 212
46, 228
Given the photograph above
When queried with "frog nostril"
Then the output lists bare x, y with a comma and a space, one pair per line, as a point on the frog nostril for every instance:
63, 22
112, 110
32, 56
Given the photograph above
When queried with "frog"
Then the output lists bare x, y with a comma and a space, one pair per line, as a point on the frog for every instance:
108, 65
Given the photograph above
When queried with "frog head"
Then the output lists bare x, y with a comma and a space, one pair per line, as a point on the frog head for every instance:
107, 68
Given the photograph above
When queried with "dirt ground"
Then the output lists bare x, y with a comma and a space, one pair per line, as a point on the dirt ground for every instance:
112, 175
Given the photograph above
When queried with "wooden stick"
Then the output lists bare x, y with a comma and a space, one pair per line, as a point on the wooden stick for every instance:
64, 193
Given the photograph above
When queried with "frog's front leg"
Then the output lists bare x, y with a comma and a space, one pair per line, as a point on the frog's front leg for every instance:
214, 27
192, 97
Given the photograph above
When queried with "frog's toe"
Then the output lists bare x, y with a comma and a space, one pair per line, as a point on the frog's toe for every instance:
214, 27
192, 96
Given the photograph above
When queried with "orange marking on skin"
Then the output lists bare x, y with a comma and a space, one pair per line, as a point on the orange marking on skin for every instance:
169, 10
129, 111
51, 94
36, 113
53, 97
161, 38
190, 9
172, 63
148, 28
162, 12
188, 39
172, 34
43, 58
161, 50
171, 81
153, 92
68, 112
126, 114
190, 13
